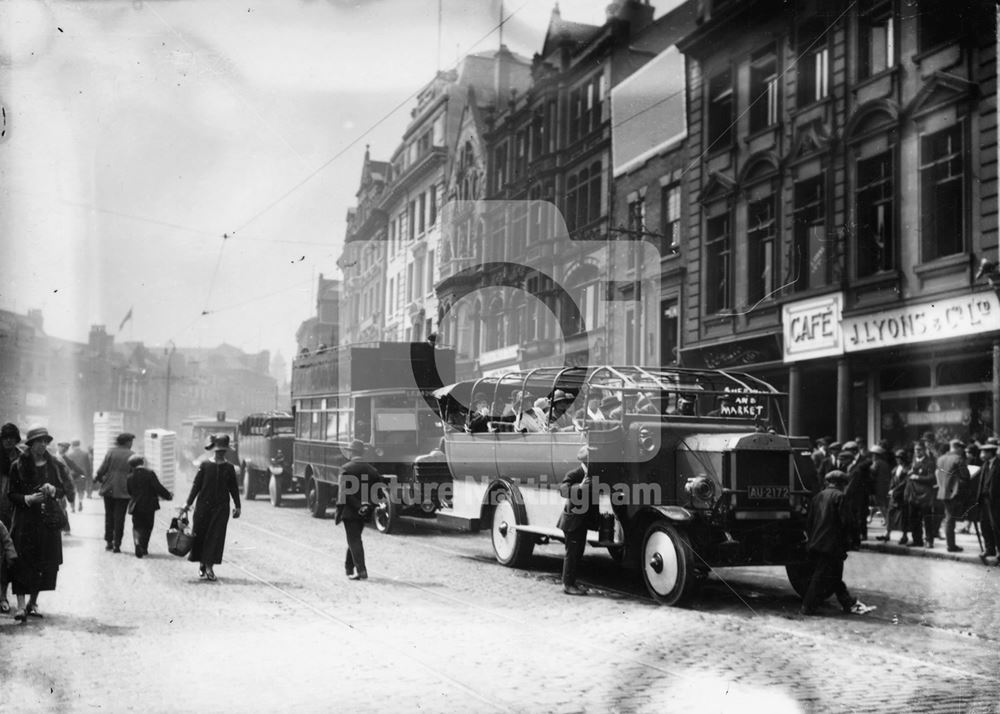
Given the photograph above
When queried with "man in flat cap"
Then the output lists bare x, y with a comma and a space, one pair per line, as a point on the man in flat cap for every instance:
952, 480
857, 491
988, 498
828, 525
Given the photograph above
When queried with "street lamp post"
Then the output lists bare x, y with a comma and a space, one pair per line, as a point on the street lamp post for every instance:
166, 401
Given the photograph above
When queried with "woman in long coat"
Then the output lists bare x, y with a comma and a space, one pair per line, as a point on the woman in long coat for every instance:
33, 478
214, 484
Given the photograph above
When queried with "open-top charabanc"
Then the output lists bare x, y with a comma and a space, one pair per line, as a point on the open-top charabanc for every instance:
693, 470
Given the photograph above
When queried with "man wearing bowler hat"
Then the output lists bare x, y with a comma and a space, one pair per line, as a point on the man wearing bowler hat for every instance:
579, 514
354, 503
952, 480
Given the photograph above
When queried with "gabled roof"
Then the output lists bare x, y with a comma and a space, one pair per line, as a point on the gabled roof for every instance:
562, 32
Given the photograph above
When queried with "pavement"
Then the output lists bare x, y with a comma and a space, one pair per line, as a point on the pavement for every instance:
968, 542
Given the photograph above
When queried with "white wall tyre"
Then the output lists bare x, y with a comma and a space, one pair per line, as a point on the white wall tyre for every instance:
249, 492
511, 547
275, 490
386, 513
667, 566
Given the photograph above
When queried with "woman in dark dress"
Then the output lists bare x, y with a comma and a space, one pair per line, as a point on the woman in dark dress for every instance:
34, 480
213, 486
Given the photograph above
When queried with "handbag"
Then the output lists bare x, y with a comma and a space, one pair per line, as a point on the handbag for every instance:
179, 538
53, 516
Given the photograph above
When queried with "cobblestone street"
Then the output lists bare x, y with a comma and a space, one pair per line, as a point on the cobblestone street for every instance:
441, 627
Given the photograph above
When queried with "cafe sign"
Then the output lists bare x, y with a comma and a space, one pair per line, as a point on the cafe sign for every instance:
814, 328
926, 322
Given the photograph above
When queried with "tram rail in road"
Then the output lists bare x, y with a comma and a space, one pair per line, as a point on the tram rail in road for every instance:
560, 631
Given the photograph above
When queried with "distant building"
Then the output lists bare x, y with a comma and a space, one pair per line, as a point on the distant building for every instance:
324, 327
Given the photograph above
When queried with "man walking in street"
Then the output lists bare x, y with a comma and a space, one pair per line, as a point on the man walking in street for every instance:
579, 513
354, 498
828, 525
82, 459
988, 498
113, 478
74, 470
952, 479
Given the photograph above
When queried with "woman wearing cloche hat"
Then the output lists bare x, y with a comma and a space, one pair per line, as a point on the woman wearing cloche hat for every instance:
214, 484
34, 490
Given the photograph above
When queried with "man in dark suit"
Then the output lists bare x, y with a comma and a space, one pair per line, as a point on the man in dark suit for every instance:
579, 513
988, 498
952, 480
829, 527
354, 499
112, 476
145, 491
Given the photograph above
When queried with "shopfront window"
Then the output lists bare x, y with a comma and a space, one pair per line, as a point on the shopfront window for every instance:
951, 399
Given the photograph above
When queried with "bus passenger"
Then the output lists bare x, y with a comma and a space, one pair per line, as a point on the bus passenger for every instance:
479, 420
558, 418
611, 407
535, 419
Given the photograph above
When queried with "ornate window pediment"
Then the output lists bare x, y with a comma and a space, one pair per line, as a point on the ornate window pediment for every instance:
941, 89
717, 187
870, 117
760, 166
813, 137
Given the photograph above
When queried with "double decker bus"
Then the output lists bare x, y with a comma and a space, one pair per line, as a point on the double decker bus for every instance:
381, 394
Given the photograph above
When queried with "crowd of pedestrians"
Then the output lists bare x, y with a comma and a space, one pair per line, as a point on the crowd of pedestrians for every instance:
40, 485
920, 490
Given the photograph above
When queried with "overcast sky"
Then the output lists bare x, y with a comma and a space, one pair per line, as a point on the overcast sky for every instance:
137, 134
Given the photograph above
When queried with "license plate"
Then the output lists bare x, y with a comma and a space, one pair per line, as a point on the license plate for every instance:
768, 493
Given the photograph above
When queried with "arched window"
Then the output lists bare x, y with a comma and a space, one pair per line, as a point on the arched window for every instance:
493, 325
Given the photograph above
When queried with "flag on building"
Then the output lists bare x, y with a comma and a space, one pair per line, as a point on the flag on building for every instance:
128, 316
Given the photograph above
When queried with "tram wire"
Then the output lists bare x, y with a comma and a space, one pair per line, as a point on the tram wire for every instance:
504, 615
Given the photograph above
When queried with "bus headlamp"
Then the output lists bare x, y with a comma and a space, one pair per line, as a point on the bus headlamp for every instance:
701, 488
646, 441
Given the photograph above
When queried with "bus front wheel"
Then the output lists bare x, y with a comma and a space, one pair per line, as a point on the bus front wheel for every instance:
275, 490
386, 510
249, 492
667, 566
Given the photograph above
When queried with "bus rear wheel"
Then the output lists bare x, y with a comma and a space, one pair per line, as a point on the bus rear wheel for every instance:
511, 546
317, 497
275, 490
667, 566
386, 511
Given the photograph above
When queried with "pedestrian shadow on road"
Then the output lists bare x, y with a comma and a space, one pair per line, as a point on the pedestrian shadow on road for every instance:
68, 623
